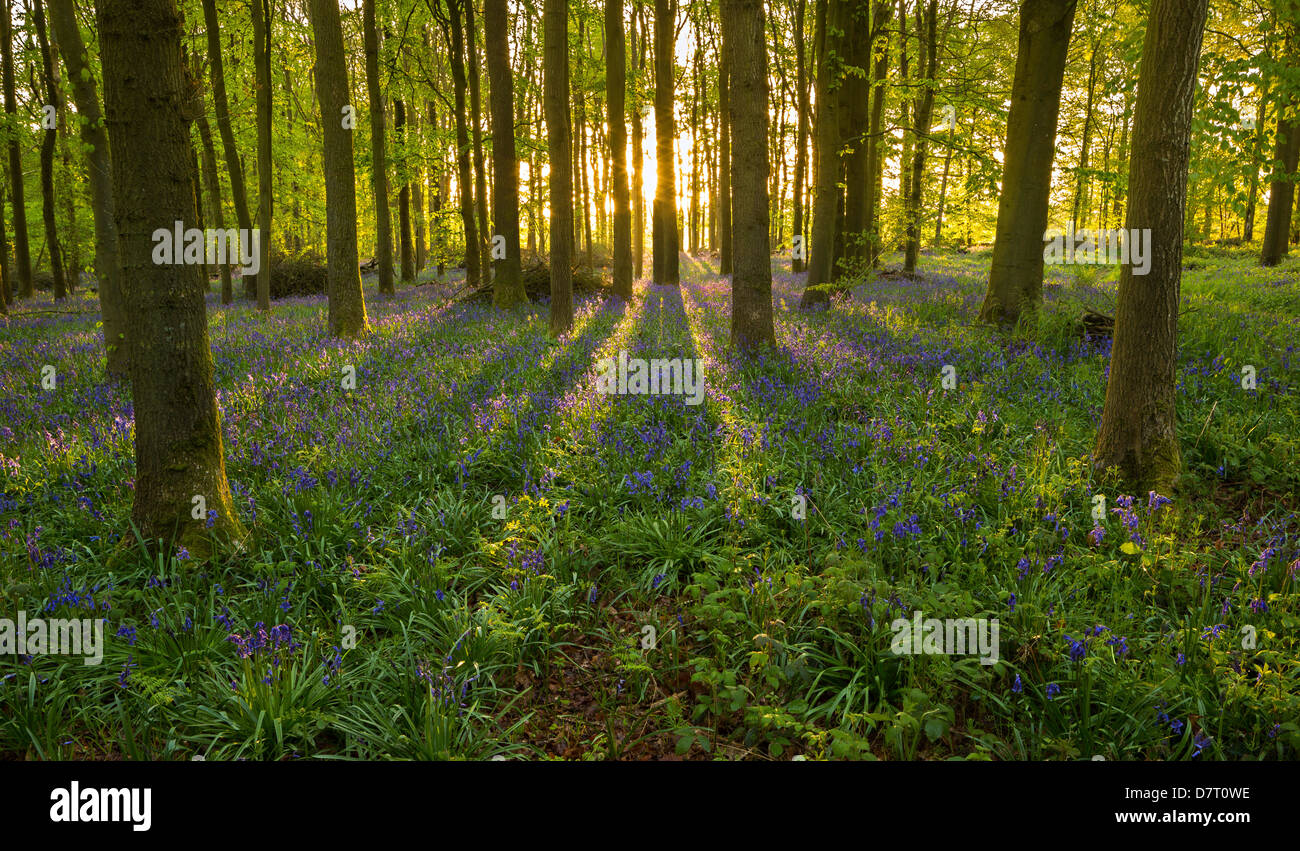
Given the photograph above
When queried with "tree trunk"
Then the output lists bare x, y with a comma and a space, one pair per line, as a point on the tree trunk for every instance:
667, 239
928, 46
875, 144
615, 85
455, 36
476, 123
108, 266
238, 193
1086, 143
1016, 275
725, 196
638, 158
407, 255
693, 228
801, 132
347, 303
826, 197
378, 150
6, 275
438, 190
1137, 433
214, 200
744, 48
855, 104
1256, 146
22, 247
1281, 192
265, 201
178, 441
555, 22
48, 141
507, 282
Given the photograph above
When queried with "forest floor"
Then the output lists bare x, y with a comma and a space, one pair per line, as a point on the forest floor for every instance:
476, 555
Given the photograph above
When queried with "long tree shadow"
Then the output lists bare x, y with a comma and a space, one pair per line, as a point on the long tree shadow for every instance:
620, 449
516, 423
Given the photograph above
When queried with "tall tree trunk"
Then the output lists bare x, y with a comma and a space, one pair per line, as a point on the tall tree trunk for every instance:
265, 200
485, 232
455, 36
507, 282
615, 86
417, 202
801, 132
407, 258
928, 46
1016, 276
238, 193
347, 302
725, 195
638, 157
6, 274
378, 150
855, 93
821, 255
108, 265
22, 247
1281, 192
1122, 157
667, 239
215, 210
438, 190
693, 229
904, 104
555, 59
48, 141
178, 442
744, 46
1138, 429
943, 196
1256, 146
875, 143
1086, 142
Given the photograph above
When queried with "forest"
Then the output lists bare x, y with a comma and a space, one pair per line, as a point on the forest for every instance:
887, 380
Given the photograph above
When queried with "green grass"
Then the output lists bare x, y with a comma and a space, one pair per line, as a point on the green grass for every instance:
710, 582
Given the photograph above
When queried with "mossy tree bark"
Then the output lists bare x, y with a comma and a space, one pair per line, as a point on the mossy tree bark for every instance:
347, 302
666, 237
108, 265
928, 46
22, 245
875, 144
454, 36
49, 138
507, 281
485, 232
265, 198
615, 85
744, 49
1286, 157
378, 150
238, 191
555, 62
178, 442
826, 139
1016, 275
726, 259
1137, 433
406, 248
